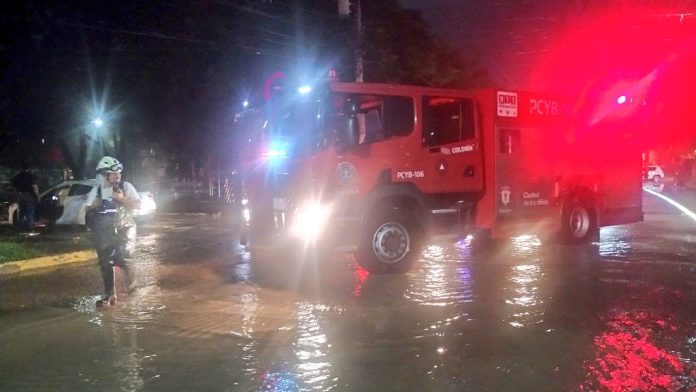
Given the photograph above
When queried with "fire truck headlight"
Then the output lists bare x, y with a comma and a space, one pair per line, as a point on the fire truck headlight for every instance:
304, 89
310, 221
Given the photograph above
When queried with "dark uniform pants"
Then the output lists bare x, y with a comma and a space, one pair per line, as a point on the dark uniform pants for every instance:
27, 210
114, 248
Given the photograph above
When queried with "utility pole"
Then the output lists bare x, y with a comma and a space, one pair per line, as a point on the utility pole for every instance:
359, 50
344, 11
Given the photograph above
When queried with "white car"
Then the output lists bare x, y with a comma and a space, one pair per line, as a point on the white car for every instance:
66, 204
655, 173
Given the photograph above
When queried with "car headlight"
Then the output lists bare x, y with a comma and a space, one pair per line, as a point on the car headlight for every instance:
310, 220
147, 206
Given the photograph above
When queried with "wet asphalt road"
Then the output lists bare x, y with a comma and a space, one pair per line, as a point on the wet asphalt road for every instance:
617, 315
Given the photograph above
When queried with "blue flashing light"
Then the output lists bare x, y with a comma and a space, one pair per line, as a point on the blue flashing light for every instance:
275, 153
245, 103
621, 100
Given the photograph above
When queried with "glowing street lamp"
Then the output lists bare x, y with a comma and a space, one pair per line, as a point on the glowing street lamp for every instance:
98, 122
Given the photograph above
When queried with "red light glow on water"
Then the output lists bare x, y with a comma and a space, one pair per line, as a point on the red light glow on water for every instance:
359, 277
629, 356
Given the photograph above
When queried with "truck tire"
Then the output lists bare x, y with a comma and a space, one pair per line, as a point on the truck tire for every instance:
578, 221
390, 244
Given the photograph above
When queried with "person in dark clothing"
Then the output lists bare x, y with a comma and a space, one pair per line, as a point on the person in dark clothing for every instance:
28, 193
113, 203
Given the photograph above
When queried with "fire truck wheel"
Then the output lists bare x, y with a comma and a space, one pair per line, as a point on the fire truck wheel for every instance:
390, 244
578, 221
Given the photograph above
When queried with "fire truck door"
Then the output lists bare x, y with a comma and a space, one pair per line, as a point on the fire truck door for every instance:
453, 158
524, 173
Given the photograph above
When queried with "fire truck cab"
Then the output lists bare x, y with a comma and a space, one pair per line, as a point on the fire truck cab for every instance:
375, 168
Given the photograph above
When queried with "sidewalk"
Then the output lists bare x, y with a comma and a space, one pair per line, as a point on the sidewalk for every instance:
39, 263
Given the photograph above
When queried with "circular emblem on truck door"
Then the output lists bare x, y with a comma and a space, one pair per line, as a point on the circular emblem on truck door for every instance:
345, 173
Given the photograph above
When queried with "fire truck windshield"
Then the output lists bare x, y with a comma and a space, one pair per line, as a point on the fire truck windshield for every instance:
369, 118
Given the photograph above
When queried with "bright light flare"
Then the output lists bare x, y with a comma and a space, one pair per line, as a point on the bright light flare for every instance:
246, 214
274, 154
621, 100
304, 89
245, 103
98, 122
147, 205
310, 221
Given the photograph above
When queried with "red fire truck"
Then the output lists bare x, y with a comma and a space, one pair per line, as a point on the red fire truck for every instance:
374, 169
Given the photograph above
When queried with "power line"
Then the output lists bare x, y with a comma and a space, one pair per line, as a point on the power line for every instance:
114, 30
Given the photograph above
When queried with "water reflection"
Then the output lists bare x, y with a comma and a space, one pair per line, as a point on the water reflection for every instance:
242, 271
525, 280
312, 347
360, 274
525, 245
616, 242
249, 346
437, 288
629, 356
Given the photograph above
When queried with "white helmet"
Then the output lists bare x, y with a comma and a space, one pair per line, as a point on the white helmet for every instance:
109, 164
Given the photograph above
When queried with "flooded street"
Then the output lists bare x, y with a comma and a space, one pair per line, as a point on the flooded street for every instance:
616, 315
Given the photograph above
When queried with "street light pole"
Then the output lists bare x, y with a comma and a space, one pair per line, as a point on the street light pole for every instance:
344, 11
359, 75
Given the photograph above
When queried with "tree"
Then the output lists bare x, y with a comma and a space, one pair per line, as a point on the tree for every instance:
399, 49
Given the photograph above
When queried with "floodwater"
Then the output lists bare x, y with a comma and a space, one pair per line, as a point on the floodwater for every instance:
617, 315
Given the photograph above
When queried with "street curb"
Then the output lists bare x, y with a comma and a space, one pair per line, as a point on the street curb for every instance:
15, 267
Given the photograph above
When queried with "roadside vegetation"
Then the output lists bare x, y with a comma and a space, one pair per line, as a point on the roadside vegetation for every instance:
13, 251
14, 246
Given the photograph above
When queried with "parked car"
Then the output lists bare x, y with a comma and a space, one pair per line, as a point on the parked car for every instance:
655, 173
66, 204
